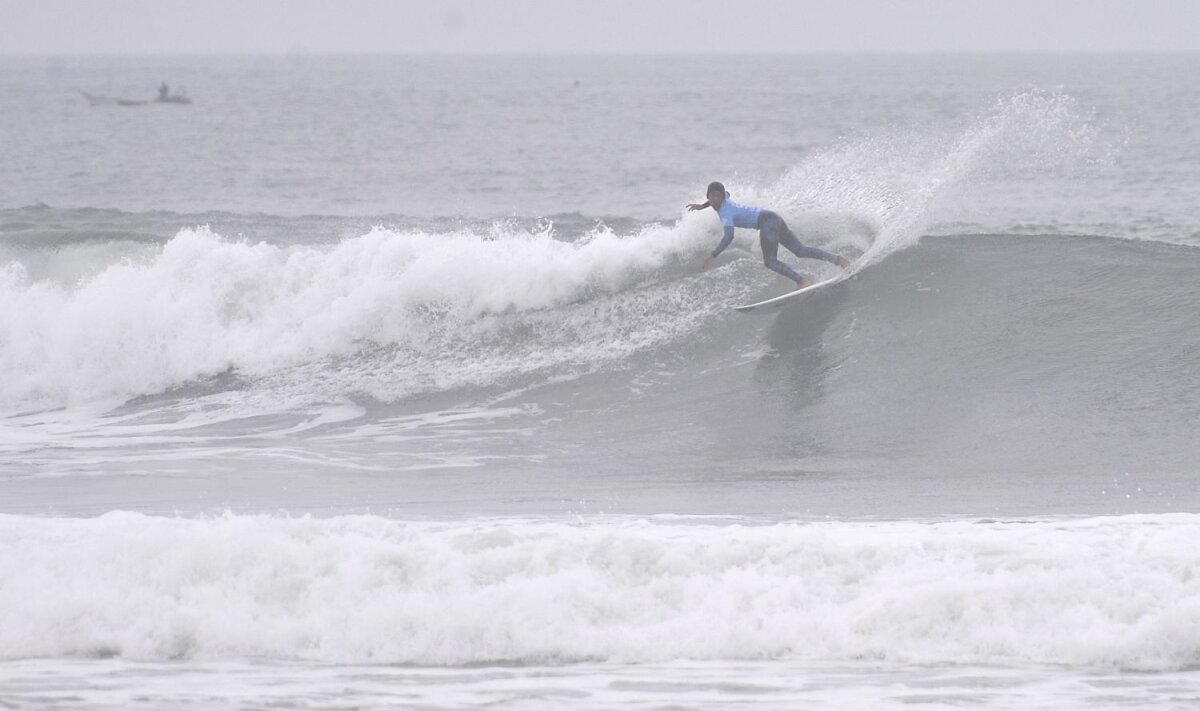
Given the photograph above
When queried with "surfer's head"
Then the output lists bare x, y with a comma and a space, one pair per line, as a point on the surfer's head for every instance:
716, 194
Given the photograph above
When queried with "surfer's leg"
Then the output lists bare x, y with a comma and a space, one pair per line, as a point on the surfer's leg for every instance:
770, 250
803, 251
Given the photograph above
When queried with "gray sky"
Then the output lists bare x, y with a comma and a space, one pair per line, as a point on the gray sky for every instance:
644, 26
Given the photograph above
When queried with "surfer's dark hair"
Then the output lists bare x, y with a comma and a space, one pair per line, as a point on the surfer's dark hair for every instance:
714, 185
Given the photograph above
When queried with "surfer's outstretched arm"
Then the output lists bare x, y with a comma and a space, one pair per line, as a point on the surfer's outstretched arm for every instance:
692, 207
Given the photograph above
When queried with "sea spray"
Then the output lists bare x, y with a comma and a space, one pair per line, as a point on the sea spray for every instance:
879, 193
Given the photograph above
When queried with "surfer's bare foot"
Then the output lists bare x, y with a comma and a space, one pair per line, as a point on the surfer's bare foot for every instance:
843, 262
804, 283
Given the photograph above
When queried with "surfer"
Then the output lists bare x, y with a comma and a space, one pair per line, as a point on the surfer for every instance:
772, 232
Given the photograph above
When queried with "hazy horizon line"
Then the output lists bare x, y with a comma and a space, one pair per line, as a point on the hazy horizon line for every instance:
617, 53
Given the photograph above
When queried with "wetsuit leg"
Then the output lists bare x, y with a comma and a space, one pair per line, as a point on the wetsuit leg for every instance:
787, 239
768, 237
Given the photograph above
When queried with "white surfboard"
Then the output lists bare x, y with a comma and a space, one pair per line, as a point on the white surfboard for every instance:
772, 305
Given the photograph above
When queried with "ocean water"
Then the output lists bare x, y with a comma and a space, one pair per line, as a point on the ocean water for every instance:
394, 382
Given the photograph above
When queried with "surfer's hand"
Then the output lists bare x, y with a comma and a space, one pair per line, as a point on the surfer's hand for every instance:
708, 262
692, 207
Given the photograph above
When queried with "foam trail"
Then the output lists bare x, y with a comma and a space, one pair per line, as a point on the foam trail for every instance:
203, 305
1107, 592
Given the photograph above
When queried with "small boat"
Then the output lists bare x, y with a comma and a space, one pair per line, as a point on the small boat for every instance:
163, 98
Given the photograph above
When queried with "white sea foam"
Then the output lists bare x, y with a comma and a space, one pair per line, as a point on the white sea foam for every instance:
1108, 592
439, 305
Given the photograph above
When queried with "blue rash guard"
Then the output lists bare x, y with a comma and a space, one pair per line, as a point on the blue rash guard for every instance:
735, 215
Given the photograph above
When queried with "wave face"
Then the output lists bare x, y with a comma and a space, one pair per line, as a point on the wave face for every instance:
439, 312
1107, 592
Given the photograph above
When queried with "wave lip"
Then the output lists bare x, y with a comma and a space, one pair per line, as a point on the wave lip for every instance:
1107, 592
